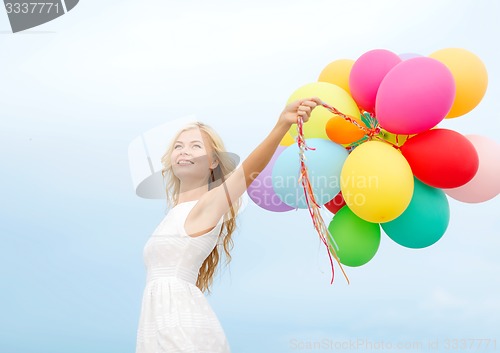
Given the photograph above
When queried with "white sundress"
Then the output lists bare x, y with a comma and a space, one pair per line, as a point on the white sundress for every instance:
175, 315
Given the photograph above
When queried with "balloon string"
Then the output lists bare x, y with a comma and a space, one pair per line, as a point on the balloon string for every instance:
372, 131
312, 205
390, 143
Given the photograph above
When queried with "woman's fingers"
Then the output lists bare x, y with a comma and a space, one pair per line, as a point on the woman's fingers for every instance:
303, 114
308, 103
316, 100
304, 108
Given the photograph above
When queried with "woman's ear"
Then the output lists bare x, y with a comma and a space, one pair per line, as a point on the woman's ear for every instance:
214, 161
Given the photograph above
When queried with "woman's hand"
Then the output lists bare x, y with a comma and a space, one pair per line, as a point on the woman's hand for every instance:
301, 107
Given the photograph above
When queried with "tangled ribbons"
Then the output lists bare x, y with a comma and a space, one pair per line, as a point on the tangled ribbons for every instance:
312, 205
372, 130
368, 131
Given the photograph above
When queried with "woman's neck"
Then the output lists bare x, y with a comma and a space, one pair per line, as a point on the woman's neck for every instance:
191, 193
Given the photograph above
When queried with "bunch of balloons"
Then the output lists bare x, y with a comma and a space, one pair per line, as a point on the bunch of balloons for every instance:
384, 162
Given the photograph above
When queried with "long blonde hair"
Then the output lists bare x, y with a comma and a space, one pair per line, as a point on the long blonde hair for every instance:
225, 166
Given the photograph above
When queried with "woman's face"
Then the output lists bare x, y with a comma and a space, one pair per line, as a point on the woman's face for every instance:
191, 155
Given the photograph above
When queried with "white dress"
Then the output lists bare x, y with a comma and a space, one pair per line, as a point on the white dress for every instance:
175, 314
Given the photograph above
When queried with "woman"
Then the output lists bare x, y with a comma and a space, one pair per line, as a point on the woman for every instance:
181, 256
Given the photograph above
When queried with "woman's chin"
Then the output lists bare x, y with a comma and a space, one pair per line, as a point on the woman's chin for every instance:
188, 172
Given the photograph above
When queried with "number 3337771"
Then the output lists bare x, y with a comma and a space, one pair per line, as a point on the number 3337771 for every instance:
32, 7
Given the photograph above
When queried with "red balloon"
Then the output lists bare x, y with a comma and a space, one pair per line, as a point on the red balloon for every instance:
335, 204
441, 158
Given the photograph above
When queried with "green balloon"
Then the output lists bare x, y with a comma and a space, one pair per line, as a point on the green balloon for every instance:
357, 239
424, 221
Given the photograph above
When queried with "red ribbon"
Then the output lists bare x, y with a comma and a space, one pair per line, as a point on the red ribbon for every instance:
312, 205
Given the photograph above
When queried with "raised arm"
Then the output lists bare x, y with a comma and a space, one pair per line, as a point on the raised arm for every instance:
238, 181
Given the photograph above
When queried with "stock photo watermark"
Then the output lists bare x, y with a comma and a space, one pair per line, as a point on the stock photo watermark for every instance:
27, 14
374, 345
323, 185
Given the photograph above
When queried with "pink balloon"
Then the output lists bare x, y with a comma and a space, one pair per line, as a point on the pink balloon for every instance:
415, 96
261, 190
366, 75
485, 185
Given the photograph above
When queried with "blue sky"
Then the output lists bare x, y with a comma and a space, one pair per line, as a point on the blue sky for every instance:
76, 91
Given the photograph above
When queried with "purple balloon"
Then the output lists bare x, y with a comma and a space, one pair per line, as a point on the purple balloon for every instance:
261, 189
406, 56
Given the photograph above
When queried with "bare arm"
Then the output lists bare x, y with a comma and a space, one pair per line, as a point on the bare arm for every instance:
215, 201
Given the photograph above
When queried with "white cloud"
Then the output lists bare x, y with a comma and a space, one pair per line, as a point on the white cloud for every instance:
441, 299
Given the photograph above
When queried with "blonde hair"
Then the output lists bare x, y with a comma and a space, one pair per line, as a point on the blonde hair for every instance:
225, 166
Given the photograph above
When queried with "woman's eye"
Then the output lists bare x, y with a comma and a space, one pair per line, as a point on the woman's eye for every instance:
177, 146
197, 146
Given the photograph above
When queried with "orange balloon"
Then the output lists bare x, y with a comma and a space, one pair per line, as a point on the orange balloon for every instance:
337, 72
470, 75
342, 131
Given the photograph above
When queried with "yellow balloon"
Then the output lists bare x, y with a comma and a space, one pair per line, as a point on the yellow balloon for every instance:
471, 78
287, 140
329, 93
376, 182
337, 72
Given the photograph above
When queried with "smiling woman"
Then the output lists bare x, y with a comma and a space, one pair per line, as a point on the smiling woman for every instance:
183, 253
189, 150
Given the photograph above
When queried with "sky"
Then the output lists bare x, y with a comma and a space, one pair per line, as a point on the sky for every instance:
77, 90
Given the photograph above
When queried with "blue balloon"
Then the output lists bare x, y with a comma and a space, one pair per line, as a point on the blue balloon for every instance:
324, 165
